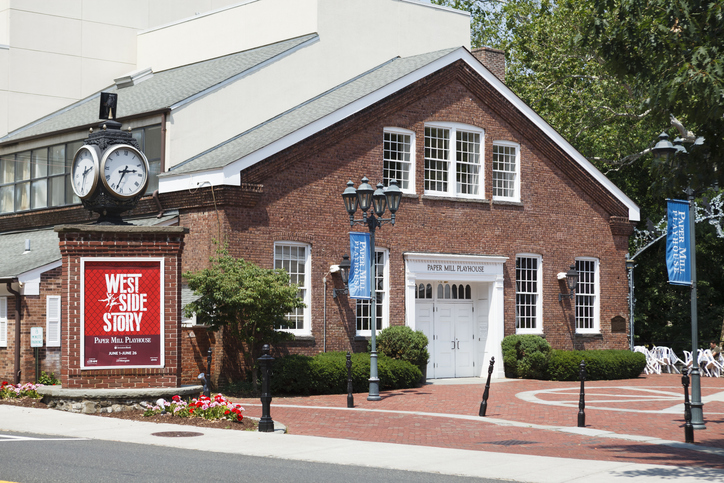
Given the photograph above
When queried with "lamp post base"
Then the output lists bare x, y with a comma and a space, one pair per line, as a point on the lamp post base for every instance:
374, 390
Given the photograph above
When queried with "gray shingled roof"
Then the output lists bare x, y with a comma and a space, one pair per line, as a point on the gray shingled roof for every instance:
305, 113
44, 248
161, 91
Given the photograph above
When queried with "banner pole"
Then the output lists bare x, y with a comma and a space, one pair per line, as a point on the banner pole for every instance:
697, 407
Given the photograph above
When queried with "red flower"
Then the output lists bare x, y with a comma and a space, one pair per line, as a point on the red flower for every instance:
176, 398
227, 412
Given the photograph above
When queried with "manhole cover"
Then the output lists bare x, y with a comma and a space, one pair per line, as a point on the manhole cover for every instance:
509, 442
177, 434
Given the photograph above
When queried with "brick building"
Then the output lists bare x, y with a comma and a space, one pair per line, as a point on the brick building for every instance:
255, 146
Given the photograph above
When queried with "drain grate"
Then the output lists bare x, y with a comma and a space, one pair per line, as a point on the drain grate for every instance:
509, 442
177, 434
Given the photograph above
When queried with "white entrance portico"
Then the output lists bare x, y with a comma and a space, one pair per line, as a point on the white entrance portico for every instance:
457, 302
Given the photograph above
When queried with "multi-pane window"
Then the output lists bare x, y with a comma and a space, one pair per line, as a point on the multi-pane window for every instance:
424, 291
453, 161
363, 309
506, 181
40, 178
454, 291
149, 138
397, 157
294, 258
527, 293
587, 298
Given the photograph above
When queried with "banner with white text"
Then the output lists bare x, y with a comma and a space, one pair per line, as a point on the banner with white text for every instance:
360, 276
122, 313
678, 245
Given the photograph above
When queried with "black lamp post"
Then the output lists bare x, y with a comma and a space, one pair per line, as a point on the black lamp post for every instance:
665, 149
376, 202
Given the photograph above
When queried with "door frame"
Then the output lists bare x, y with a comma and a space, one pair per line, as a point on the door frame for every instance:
484, 271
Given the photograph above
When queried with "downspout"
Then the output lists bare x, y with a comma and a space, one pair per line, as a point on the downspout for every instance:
324, 333
18, 301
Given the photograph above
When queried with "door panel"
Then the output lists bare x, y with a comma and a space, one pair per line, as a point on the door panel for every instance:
444, 341
464, 341
423, 322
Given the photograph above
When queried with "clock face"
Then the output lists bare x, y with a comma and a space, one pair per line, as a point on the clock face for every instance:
85, 170
124, 171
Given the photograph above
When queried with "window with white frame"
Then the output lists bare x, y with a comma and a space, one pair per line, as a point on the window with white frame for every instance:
295, 259
587, 296
398, 156
506, 171
381, 285
3, 321
528, 300
453, 160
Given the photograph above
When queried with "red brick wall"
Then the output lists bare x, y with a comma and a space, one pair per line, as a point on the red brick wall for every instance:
80, 241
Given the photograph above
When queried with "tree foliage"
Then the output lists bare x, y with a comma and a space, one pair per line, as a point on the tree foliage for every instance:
673, 52
248, 302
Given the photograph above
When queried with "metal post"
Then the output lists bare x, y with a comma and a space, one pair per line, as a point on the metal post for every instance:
486, 393
582, 398
350, 398
630, 265
207, 385
374, 380
697, 407
266, 424
688, 427
37, 365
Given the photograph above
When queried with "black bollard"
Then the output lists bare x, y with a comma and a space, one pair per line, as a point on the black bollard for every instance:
688, 427
582, 399
486, 393
350, 398
266, 424
207, 382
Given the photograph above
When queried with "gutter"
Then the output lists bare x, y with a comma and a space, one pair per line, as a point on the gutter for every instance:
18, 301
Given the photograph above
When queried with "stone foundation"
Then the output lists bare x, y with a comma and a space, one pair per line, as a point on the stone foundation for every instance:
92, 401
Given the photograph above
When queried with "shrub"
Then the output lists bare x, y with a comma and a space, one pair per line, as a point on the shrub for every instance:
326, 373
600, 364
48, 379
401, 342
526, 356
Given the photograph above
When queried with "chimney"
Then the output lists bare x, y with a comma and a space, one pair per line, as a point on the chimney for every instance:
493, 60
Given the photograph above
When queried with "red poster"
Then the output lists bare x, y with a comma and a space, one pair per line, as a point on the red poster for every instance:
122, 312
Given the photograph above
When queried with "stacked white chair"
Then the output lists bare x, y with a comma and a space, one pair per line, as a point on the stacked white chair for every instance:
652, 367
709, 364
666, 359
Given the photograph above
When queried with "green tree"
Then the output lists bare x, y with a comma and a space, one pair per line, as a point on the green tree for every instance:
248, 302
672, 51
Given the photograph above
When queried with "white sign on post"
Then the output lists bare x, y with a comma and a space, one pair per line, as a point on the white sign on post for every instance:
36, 337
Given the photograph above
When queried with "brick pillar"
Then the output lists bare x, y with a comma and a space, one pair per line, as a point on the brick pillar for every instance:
87, 330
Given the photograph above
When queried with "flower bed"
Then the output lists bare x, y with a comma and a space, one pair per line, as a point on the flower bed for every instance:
204, 407
10, 391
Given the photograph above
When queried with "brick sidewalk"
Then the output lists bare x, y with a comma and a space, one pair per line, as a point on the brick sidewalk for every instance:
394, 419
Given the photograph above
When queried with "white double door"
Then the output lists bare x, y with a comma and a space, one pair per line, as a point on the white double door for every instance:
450, 332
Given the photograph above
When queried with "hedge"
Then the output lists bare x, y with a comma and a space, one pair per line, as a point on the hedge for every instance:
525, 356
326, 373
600, 364
401, 342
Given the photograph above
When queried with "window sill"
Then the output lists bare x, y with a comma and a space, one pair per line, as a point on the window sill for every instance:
306, 338
589, 335
507, 202
454, 198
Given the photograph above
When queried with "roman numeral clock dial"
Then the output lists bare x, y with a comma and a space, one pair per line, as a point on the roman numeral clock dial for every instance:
84, 171
124, 171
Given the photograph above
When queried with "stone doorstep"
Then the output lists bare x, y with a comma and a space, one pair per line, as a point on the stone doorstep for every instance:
91, 401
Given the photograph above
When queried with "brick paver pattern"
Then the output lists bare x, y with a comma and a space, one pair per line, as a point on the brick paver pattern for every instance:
646, 406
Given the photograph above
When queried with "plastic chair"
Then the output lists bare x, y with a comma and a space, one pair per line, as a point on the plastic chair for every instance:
711, 366
652, 367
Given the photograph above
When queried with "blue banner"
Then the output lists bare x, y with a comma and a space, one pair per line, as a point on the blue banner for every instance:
678, 245
360, 275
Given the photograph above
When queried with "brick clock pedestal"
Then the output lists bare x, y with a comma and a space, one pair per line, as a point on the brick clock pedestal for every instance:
121, 314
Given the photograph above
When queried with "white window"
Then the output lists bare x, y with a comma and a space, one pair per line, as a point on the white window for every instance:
528, 300
587, 296
398, 156
453, 161
506, 171
295, 259
381, 285
3, 321
52, 321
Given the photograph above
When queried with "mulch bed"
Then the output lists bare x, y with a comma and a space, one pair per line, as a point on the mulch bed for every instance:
246, 424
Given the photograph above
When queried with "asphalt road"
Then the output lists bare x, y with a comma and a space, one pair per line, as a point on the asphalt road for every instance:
27, 458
